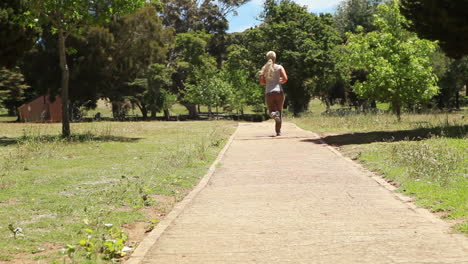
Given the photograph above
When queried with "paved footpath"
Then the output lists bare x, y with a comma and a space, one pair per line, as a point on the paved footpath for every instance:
289, 200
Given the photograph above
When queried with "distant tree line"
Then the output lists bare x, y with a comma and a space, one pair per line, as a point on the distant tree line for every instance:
155, 54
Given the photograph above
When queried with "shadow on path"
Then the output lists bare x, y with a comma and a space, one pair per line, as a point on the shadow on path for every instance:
457, 131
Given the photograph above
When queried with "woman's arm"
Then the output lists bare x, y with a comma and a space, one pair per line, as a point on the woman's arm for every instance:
283, 76
262, 76
262, 79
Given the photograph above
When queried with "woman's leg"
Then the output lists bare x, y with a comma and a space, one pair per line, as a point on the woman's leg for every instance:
270, 102
279, 102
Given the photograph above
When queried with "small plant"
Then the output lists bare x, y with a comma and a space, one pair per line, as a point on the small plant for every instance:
145, 197
152, 225
99, 240
17, 231
6, 257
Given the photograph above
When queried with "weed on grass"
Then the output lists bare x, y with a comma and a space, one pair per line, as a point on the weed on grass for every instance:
57, 190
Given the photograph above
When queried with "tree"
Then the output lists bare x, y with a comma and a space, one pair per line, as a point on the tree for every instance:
155, 95
16, 37
12, 89
239, 72
139, 41
353, 13
189, 57
90, 65
211, 89
442, 20
160, 82
204, 15
201, 15
397, 61
69, 17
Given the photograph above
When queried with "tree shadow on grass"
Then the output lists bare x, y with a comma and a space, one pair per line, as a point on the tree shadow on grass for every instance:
76, 138
456, 131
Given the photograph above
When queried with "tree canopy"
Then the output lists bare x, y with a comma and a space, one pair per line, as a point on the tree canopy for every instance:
16, 37
397, 61
442, 20
68, 17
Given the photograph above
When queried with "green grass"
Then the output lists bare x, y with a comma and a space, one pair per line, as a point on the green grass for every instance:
349, 122
433, 170
107, 173
424, 154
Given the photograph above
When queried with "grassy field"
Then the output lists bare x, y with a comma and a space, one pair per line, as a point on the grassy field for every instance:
425, 155
85, 196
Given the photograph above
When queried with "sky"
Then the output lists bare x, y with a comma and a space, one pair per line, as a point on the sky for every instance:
247, 13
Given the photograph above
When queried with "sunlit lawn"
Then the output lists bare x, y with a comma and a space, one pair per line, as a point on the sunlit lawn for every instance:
107, 173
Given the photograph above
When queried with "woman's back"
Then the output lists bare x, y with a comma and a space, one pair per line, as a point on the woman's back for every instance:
273, 82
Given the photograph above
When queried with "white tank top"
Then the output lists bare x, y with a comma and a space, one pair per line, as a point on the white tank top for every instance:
273, 84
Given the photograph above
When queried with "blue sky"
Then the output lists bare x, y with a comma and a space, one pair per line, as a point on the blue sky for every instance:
247, 13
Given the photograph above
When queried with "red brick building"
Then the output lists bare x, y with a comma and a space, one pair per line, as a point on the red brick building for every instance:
41, 109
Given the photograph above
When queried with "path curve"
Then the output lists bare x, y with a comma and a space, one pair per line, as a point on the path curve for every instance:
288, 200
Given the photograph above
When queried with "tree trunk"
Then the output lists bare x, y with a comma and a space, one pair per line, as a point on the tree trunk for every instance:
144, 111
153, 114
64, 84
167, 115
457, 100
397, 109
193, 114
116, 110
327, 105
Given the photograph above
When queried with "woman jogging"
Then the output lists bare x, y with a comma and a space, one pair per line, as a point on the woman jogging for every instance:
272, 76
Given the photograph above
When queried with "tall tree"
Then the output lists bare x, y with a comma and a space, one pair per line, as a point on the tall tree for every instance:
397, 61
190, 55
239, 72
16, 37
210, 89
69, 17
200, 15
159, 83
353, 13
140, 41
442, 20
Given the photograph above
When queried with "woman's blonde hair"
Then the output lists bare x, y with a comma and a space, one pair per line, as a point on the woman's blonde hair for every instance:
268, 69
